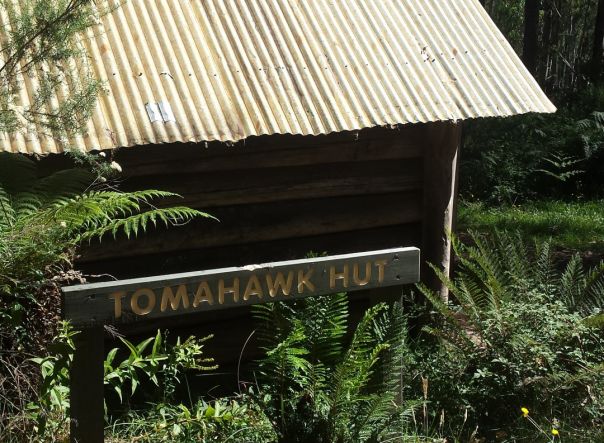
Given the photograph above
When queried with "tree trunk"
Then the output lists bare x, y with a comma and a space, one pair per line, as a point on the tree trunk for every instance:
544, 70
531, 25
598, 48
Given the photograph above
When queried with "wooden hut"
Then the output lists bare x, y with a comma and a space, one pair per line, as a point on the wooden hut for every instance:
302, 125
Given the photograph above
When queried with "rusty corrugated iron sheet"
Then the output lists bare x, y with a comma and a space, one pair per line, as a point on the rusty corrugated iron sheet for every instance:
230, 69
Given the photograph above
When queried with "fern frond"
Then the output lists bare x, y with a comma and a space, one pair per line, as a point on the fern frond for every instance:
133, 224
62, 184
325, 322
17, 172
592, 299
448, 312
544, 271
572, 281
26, 203
7, 212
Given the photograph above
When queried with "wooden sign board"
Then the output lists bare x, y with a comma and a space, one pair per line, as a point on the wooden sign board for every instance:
91, 306
144, 299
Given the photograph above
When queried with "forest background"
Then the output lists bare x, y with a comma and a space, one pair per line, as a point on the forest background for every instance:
544, 174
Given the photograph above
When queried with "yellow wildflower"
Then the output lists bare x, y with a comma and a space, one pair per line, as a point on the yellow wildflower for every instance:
555, 432
525, 412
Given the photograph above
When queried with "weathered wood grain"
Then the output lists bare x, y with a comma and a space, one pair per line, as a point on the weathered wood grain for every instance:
272, 221
145, 299
275, 150
440, 193
185, 159
261, 185
159, 262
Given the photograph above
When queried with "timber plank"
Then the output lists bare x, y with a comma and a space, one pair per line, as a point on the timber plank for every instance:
187, 159
258, 252
258, 185
177, 295
271, 221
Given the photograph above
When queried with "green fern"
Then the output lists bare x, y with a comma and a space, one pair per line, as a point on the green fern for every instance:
321, 388
43, 219
562, 167
518, 329
43, 222
591, 130
496, 270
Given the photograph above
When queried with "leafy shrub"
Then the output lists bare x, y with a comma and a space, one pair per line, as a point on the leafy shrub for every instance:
517, 332
43, 220
163, 364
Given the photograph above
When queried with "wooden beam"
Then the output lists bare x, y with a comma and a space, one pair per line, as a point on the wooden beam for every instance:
263, 185
186, 159
285, 220
177, 295
440, 189
160, 262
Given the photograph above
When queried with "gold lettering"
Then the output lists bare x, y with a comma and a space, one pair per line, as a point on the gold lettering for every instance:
304, 280
117, 298
175, 300
279, 283
381, 264
333, 276
222, 290
150, 301
355, 274
253, 288
203, 294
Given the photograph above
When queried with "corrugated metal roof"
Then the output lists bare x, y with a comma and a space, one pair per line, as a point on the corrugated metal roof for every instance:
230, 69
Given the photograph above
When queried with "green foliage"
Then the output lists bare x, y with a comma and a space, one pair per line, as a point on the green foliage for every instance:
534, 156
163, 364
43, 221
45, 39
43, 218
577, 225
561, 167
318, 387
221, 421
46, 417
515, 334
50, 411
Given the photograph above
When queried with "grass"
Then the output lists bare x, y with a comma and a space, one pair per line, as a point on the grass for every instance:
575, 225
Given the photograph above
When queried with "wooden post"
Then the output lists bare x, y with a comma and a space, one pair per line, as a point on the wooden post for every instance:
86, 382
440, 192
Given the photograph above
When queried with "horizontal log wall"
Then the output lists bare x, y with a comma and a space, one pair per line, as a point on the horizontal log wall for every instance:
281, 196
277, 198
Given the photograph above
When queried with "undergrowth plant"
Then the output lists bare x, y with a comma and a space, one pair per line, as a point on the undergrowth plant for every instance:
321, 385
518, 331
223, 420
43, 221
154, 361
157, 362
532, 157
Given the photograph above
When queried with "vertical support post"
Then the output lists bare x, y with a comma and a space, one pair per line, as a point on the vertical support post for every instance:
86, 382
440, 193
